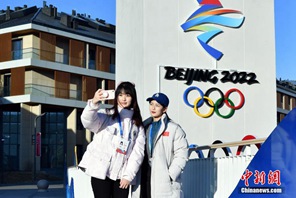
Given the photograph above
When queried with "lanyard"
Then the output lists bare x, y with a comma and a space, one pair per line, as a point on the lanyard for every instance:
120, 126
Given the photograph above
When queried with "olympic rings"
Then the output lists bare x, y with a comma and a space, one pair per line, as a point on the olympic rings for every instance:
185, 96
231, 109
196, 105
214, 106
241, 96
220, 92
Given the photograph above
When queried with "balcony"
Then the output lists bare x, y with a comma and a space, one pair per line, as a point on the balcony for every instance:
62, 58
35, 53
46, 91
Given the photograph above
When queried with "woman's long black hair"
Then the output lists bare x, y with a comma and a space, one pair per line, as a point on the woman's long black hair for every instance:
128, 88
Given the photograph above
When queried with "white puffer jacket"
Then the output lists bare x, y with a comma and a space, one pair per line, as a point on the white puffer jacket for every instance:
101, 159
170, 155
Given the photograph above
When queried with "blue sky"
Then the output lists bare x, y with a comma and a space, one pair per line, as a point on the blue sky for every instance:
285, 16
105, 9
102, 9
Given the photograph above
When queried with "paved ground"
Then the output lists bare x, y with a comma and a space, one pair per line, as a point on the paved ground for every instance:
31, 191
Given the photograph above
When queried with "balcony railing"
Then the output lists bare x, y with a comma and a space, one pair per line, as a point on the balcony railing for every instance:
50, 56
46, 91
62, 58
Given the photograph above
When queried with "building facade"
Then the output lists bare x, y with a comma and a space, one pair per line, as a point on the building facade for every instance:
286, 98
50, 63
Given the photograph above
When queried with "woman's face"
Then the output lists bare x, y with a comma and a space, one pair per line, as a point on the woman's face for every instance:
156, 110
124, 100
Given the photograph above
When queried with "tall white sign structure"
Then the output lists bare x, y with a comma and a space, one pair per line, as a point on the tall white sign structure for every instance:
214, 59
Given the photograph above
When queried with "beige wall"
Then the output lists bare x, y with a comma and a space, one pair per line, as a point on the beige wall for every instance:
28, 114
42, 82
31, 46
71, 136
75, 87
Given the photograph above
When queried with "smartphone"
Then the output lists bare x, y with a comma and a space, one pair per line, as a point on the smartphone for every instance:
109, 94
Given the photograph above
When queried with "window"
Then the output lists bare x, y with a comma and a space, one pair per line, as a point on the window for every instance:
112, 61
11, 138
53, 136
62, 51
281, 101
6, 90
92, 57
17, 49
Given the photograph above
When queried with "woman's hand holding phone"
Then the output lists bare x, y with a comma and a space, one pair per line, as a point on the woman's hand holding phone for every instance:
109, 94
101, 95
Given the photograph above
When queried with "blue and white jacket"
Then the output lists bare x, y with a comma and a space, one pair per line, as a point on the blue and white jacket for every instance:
101, 159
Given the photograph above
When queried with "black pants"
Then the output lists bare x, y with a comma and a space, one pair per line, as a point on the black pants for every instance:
145, 179
108, 188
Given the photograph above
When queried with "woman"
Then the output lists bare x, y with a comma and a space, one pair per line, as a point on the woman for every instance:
166, 153
116, 152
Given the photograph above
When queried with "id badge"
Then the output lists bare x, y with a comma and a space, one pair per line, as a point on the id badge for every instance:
122, 146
